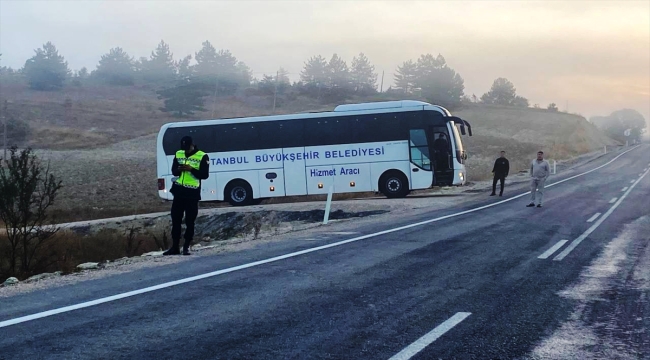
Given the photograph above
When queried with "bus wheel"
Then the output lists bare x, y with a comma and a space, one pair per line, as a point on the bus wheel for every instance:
239, 193
394, 184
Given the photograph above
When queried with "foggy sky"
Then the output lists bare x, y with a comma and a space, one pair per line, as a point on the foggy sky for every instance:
595, 55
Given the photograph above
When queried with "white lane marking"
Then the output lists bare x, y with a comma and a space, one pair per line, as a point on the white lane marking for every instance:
593, 227
430, 337
632, 181
591, 219
613, 200
624, 189
274, 259
553, 249
343, 232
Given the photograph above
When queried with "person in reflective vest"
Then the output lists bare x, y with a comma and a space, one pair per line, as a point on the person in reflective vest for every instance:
190, 166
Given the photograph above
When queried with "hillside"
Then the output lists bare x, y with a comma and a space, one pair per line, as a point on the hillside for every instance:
102, 143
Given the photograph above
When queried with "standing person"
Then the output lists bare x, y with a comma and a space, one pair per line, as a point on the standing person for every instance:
191, 165
500, 170
539, 172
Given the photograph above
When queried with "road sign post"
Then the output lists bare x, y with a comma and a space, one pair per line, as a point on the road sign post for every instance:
328, 205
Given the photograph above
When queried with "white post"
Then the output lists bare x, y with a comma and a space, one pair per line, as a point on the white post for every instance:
605, 149
554, 167
328, 205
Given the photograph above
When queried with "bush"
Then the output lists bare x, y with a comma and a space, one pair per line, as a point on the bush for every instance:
17, 131
27, 190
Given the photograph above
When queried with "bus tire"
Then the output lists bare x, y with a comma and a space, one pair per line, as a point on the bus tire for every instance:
394, 184
239, 193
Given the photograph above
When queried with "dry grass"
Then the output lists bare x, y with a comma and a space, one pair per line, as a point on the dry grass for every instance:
103, 149
523, 132
67, 249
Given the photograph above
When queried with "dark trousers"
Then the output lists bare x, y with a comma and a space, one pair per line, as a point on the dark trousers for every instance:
498, 177
189, 208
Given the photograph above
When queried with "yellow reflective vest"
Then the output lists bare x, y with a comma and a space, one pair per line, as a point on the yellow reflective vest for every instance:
187, 179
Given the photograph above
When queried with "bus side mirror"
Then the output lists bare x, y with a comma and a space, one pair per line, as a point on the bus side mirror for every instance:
462, 129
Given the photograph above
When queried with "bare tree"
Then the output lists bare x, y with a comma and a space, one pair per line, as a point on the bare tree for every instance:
27, 190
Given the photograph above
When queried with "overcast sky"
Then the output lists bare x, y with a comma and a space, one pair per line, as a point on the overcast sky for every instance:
595, 55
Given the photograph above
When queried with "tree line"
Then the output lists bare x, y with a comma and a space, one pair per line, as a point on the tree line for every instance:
183, 84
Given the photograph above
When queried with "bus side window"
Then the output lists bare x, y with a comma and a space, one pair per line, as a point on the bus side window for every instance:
419, 149
236, 137
281, 134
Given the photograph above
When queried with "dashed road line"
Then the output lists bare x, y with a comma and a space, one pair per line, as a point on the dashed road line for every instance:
624, 189
430, 337
591, 219
613, 200
553, 249
593, 227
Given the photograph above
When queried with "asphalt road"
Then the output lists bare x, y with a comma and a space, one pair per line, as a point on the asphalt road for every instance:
370, 298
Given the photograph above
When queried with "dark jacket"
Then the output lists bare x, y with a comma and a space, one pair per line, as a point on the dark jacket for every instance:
202, 173
501, 167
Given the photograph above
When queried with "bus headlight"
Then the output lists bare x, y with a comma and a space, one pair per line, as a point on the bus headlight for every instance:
461, 176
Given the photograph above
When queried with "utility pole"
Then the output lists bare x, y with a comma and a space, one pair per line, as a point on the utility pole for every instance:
275, 92
4, 136
216, 87
381, 88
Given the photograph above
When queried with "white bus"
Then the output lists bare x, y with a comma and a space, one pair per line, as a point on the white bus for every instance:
390, 147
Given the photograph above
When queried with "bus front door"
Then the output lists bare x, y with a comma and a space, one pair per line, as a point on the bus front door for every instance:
421, 165
443, 169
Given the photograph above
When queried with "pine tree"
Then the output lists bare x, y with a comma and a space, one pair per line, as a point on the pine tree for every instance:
283, 77
184, 99
221, 68
363, 76
206, 60
160, 66
47, 70
406, 76
183, 68
116, 68
438, 83
502, 92
315, 72
338, 74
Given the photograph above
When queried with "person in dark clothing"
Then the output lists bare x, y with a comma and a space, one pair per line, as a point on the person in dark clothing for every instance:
500, 170
190, 165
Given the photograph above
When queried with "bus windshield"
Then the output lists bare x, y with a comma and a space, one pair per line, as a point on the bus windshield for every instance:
457, 140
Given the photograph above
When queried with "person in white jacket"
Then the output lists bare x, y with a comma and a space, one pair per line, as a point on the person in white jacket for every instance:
539, 172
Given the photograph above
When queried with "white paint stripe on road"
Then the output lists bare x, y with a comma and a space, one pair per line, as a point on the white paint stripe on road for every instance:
624, 189
430, 337
277, 258
553, 249
613, 200
632, 181
591, 219
593, 227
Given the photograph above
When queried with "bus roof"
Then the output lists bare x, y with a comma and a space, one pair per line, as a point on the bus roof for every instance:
381, 105
340, 110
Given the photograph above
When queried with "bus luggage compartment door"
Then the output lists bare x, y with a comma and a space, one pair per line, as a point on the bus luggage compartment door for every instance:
295, 178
